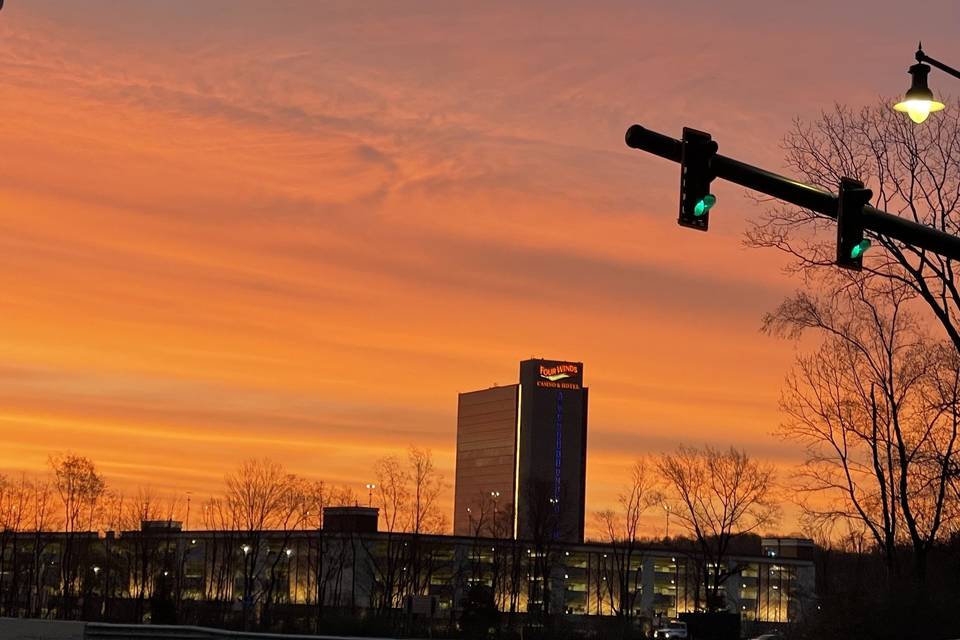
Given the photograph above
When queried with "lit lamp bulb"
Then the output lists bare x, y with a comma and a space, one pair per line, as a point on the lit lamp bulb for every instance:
918, 110
918, 102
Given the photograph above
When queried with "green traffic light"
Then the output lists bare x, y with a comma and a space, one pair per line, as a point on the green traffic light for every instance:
860, 249
704, 205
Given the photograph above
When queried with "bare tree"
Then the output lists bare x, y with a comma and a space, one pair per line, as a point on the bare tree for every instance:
545, 531
393, 493
13, 506
80, 488
876, 408
622, 531
326, 566
913, 171
717, 496
220, 551
295, 504
393, 497
426, 484
407, 496
258, 497
25, 506
148, 550
42, 520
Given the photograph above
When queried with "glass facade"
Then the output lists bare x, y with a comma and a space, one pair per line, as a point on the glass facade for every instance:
486, 462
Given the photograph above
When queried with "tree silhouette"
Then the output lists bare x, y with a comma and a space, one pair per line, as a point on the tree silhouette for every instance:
913, 171
876, 407
80, 487
716, 496
621, 529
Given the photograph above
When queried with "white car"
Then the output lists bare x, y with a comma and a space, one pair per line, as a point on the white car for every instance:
673, 629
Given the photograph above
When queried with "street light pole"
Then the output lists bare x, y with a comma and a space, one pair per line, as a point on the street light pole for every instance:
370, 488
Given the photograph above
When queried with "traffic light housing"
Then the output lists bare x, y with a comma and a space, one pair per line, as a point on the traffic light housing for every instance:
851, 244
698, 151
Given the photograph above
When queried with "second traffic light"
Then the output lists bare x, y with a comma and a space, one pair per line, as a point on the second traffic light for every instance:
695, 178
851, 245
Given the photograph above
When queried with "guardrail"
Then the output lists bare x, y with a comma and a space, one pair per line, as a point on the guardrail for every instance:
110, 631
33, 629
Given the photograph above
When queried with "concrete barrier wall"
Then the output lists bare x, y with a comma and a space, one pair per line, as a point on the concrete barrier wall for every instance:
26, 629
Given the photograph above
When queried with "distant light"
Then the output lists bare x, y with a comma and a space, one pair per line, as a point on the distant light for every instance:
289, 552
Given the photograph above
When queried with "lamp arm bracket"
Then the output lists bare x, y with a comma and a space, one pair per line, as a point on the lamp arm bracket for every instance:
922, 57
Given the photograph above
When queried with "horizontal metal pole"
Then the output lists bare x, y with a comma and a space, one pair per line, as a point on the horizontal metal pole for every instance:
922, 57
800, 194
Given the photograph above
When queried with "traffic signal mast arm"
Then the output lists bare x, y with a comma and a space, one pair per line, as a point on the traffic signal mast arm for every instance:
800, 194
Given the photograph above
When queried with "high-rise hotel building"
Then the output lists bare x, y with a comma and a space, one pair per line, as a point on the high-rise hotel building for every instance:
522, 456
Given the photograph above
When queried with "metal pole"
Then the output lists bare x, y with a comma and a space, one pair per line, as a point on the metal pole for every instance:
800, 194
922, 57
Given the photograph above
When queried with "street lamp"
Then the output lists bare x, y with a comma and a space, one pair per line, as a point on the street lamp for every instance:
496, 496
919, 102
370, 487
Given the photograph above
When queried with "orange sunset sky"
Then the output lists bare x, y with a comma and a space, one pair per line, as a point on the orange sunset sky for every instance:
298, 229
